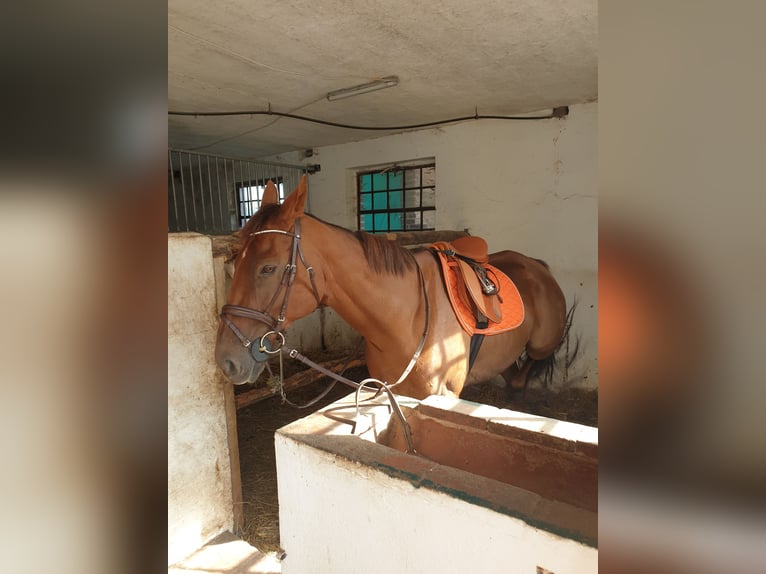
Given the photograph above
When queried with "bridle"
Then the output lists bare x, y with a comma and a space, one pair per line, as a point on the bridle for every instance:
264, 348
261, 351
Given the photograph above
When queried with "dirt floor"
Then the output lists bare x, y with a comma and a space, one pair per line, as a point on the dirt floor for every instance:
256, 425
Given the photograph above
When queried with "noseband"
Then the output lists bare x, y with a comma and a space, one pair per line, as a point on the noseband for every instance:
261, 351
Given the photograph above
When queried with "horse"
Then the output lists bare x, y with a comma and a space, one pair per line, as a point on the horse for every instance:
290, 262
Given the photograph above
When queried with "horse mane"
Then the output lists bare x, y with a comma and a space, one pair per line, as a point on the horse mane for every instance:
383, 255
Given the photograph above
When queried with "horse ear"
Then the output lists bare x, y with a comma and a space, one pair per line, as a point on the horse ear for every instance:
270, 194
296, 201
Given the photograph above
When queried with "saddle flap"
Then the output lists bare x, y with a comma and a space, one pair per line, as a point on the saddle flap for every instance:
488, 305
472, 247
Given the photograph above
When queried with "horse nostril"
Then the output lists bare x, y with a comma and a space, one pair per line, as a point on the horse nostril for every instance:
228, 367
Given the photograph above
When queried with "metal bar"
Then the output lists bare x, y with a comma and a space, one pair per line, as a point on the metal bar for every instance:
183, 192
253, 187
191, 180
359, 218
421, 198
286, 177
268, 163
234, 209
228, 195
210, 190
260, 180
242, 216
218, 193
250, 205
173, 188
201, 194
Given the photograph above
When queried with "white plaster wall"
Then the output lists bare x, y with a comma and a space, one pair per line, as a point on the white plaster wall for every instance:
338, 516
199, 476
322, 331
526, 185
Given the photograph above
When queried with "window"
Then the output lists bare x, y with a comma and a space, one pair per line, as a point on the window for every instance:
250, 193
397, 199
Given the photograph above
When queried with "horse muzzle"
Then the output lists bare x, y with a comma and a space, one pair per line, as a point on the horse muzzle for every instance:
240, 375
240, 367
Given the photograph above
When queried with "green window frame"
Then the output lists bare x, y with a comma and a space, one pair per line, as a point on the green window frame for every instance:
399, 198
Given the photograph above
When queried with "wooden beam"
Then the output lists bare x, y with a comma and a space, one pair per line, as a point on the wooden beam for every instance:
424, 237
230, 410
297, 380
223, 245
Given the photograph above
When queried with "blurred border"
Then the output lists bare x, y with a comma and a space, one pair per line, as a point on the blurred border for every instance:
83, 223
681, 277
83, 212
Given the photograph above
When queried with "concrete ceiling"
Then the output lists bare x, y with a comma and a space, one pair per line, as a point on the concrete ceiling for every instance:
451, 56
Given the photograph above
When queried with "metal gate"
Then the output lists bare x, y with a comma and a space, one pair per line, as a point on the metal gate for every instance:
217, 195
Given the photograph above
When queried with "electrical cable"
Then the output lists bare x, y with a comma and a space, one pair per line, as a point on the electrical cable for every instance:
476, 116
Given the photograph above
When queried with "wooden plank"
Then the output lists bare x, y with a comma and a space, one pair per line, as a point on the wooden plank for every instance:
424, 237
298, 380
223, 245
236, 476
230, 408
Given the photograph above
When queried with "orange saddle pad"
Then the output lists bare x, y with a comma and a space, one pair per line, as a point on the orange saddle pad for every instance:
511, 307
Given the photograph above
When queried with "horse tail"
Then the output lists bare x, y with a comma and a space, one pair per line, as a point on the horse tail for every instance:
545, 368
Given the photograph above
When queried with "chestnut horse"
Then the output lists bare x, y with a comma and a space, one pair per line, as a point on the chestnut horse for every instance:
289, 263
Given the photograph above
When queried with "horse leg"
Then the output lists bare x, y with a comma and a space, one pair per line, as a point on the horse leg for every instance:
517, 378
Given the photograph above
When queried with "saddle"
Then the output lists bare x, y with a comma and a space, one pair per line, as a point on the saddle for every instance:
485, 300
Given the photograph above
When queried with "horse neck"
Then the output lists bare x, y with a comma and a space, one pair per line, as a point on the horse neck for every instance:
379, 306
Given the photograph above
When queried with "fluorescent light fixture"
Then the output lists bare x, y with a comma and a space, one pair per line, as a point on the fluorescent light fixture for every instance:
387, 82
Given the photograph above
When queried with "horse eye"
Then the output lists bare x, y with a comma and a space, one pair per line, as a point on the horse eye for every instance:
268, 269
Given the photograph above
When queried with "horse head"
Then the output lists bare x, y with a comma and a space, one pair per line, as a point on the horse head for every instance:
272, 285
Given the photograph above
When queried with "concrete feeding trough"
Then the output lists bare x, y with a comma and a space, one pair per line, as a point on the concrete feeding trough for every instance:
488, 490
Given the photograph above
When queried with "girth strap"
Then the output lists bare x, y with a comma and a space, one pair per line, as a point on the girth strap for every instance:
476, 340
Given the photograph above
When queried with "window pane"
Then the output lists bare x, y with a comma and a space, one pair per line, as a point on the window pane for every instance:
395, 200
379, 181
381, 221
429, 197
412, 178
380, 201
429, 176
389, 193
413, 220
412, 198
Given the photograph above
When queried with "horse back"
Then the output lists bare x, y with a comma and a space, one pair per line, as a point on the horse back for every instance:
544, 301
